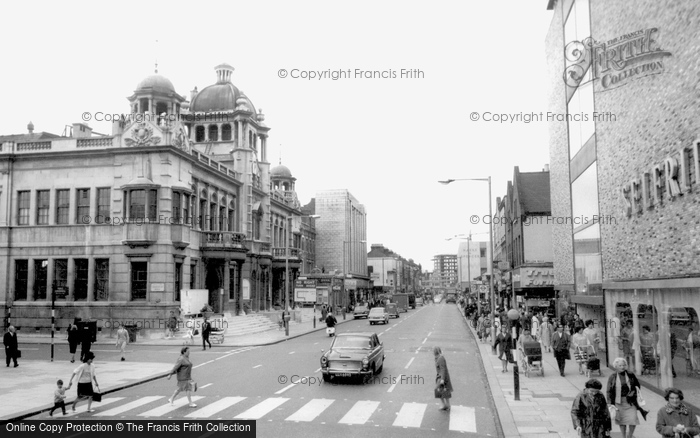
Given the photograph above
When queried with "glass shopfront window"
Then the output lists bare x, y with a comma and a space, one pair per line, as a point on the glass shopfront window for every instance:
657, 331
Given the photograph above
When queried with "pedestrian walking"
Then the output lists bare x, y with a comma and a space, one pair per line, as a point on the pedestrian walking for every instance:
591, 333
546, 334
443, 388
324, 312
627, 338
122, 340
206, 330
183, 369
504, 342
85, 341
171, 325
535, 326
579, 342
73, 339
560, 344
590, 413
11, 349
623, 389
486, 328
59, 398
676, 419
85, 376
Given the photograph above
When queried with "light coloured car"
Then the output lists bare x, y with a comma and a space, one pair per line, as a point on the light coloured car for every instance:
353, 354
377, 315
679, 315
419, 301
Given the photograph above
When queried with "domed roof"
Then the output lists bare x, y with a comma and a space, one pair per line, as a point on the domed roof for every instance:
217, 97
156, 83
280, 171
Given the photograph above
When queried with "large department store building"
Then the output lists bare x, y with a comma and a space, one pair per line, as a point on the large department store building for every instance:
180, 196
625, 168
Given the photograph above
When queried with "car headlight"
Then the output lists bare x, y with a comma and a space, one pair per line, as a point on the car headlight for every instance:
324, 359
365, 362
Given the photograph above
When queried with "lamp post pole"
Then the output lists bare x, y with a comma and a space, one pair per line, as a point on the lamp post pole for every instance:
286, 263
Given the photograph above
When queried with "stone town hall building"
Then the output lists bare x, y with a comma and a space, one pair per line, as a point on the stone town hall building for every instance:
181, 196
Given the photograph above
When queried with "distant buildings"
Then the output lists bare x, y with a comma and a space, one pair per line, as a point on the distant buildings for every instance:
391, 273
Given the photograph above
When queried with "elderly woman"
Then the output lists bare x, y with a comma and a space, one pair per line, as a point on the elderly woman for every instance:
589, 412
504, 342
443, 389
623, 388
579, 341
676, 419
183, 369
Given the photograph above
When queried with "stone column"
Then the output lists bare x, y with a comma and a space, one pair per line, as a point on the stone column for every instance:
49, 279
91, 280
30, 280
70, 279
227, 284
239, 285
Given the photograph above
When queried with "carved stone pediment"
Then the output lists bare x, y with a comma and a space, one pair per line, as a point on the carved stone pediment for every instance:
142, 134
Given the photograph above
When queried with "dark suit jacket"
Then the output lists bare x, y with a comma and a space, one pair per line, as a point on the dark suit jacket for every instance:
561, 344
10, 341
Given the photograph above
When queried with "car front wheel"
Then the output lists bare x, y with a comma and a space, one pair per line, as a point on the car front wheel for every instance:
326, 377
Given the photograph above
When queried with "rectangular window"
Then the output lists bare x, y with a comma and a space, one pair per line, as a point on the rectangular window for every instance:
80, 288
222, 219
580, 113
21, 279
139, 280
193, 275
231, 220
60, 273
212, 217
102, 279
42, 207
232, 284
202, 215
23, 208
41, 268
176, 207
62, 206
83, 206
185, 209
103, 209
178, 280
153, 205
137, 204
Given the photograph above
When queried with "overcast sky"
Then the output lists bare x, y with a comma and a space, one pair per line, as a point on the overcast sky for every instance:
387, 140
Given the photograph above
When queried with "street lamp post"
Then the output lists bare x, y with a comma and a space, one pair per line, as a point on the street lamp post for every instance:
490, 267
286, 261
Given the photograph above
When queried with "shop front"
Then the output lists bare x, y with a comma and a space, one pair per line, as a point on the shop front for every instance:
534, 289
654, 325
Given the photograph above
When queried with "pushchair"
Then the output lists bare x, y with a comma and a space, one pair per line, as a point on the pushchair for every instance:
532, 358
591, 363
649, 360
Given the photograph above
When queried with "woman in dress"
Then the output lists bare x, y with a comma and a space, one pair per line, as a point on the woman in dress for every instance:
183, 369
546, 334
578, 344
442, 380
86, 375
623, 387
627, 339
504, 342
73, 339
122, 340
589, 412
676, 418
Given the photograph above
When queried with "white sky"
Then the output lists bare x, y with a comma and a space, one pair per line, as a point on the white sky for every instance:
388, 141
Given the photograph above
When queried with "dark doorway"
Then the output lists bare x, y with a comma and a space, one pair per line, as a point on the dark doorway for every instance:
213, 284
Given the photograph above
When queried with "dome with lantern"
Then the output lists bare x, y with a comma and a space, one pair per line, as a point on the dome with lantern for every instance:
223, 96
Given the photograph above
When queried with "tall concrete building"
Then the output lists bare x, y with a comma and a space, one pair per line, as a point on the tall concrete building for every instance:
445, 271
472, 262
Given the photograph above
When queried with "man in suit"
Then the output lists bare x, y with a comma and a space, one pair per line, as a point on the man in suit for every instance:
206, 330
560, 344
10, 341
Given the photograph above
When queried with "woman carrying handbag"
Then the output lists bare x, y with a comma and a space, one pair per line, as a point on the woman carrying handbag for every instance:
86, 375
443, 388
623, 392
183, 369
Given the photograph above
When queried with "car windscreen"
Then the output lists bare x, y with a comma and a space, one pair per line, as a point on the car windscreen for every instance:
352, 342
376, 310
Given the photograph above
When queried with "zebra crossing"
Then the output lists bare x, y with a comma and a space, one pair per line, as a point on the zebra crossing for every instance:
409, 415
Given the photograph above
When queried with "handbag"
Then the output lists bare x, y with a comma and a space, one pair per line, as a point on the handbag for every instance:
440, 391
18, 354
193, 386
640, 399
96, 397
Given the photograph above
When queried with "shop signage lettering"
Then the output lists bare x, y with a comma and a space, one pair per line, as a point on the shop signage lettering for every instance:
617, 61
538, 277
671, 177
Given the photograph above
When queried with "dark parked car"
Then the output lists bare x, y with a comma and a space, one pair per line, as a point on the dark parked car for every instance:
353, 354
392, 309
360, 312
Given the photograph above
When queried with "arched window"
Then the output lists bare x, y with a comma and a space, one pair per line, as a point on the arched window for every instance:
226, 132
213, 133
199, 133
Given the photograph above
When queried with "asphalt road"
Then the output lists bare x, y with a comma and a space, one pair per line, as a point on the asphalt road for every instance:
281, 385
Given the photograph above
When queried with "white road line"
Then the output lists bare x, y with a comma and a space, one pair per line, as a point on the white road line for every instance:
257, 366
317, 370
162, 410
291, 352
380, 334
360, 412
409, 363
204, 386
424, 340
83, 408
410, 415
430, 333
262, 408
311, 410
292, 385
398, 379
129, 406
215, 407
463, 419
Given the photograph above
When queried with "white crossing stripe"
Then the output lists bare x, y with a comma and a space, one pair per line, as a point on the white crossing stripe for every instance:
261, 409
360, 412
410, 415
162, 410
83, 405
129, 406
463, 419
215, 407
311, 410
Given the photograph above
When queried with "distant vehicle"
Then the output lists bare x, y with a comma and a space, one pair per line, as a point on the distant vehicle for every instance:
401, 301
392, 309
360, 312
437, 299
412, 301
451, 298
419, 301
353, 354
679, 315
377, 315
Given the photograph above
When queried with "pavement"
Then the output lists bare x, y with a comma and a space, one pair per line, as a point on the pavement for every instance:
30, 386
544, 408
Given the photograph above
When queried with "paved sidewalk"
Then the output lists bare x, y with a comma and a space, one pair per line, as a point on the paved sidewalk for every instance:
544, 409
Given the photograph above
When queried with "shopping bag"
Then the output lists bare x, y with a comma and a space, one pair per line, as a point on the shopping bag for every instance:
640, 399
96, 397
193, 386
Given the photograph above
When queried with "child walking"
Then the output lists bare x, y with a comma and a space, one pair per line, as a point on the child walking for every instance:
59, 397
